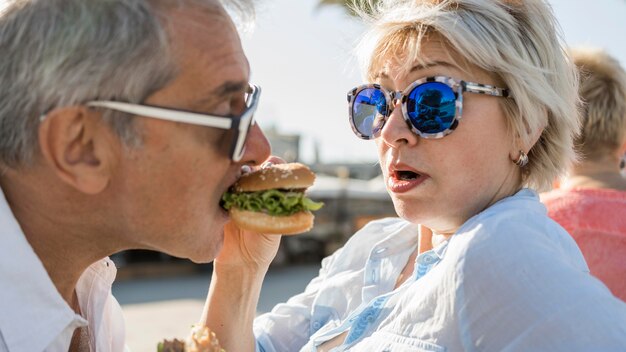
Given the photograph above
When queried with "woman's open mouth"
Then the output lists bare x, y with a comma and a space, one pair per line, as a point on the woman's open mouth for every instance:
403, 180
405, 175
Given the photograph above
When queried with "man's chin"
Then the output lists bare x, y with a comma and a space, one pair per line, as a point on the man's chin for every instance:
203, 258
203, 254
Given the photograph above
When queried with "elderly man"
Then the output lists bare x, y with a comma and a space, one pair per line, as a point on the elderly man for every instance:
122, 122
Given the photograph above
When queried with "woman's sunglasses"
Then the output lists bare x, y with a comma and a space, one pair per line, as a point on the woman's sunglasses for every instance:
431, 106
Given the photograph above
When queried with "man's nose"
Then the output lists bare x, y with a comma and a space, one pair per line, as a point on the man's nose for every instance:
258, 148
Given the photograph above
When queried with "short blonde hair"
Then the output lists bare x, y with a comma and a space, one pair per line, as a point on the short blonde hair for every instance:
518, 42
603, 91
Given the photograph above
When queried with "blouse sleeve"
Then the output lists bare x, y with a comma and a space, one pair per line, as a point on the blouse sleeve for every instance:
287, 327
521, 289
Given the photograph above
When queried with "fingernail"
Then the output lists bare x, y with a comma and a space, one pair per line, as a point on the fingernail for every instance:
246, 169
266, 164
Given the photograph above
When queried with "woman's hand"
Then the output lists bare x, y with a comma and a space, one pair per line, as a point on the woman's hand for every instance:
236, 282
247, 249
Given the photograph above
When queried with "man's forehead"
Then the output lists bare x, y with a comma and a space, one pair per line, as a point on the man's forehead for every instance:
204, 35
209, 58
207, 6
192, 15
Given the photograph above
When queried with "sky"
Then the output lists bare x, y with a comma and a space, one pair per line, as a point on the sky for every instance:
301, 56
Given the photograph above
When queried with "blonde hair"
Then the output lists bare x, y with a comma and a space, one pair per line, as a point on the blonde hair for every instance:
603, 91
518, 42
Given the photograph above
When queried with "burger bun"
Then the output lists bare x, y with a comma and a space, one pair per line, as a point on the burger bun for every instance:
263, 223
277, 176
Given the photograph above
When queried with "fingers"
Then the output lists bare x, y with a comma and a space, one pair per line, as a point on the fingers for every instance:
246, 169
267, 163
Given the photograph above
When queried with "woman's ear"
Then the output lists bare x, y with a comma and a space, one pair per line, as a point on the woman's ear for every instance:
535, 135
79, 148
525, 145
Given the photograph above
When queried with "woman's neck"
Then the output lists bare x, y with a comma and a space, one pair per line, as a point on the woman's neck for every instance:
429, 239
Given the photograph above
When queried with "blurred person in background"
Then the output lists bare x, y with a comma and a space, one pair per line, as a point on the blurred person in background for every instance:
590, 202
122, 123
473, 263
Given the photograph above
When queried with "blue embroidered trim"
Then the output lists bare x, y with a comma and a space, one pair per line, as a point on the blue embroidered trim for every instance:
364, 320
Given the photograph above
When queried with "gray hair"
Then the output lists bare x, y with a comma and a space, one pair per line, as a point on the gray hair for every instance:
66, 52
518, 42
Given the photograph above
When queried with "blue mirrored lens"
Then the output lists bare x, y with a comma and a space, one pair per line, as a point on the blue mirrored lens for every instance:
431, 107
368, 111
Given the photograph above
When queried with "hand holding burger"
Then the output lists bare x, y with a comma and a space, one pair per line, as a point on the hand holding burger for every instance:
271, 200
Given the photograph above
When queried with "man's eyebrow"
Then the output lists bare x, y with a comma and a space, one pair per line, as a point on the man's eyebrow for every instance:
219, 93
222, 91
229, 87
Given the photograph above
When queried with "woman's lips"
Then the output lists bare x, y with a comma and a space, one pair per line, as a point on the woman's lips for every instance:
401, 185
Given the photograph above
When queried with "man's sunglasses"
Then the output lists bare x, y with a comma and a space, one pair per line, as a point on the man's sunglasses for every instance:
238, 126
431, 106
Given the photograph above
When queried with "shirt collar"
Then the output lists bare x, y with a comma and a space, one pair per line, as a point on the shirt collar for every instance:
525, 195
401, 235
33, 311
94, 288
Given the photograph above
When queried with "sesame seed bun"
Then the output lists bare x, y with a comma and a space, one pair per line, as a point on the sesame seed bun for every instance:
284, 176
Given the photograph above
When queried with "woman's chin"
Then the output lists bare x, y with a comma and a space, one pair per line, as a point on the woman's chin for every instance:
411, 215
410, 211
426, 217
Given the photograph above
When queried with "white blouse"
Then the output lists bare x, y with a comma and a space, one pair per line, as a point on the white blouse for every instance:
510, 279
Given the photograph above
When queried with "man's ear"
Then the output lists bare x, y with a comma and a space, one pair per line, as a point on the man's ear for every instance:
78, 147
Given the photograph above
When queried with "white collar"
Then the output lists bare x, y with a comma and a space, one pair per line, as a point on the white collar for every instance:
33, 311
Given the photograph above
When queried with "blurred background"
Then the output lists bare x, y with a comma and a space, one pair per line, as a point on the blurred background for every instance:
301, 55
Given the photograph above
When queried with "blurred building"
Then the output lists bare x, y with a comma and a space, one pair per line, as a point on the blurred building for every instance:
286, 146
359, 171
349, 204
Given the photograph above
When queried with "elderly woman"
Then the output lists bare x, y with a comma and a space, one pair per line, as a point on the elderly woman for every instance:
472, 104
591, 201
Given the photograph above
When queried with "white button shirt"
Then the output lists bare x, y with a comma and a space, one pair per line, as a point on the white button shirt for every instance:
33, 315
510, 279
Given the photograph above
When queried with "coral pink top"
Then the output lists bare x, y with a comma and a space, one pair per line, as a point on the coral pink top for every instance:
596, 219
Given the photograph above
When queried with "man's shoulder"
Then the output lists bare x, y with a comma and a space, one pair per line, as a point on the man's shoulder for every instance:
581, 198
598, 210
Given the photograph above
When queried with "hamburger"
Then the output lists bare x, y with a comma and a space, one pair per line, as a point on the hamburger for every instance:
201, 339
271, 200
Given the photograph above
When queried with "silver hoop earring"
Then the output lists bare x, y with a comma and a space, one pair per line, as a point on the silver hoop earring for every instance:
522, 160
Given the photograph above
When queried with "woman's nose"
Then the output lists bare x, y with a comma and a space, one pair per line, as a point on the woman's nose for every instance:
397, 130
